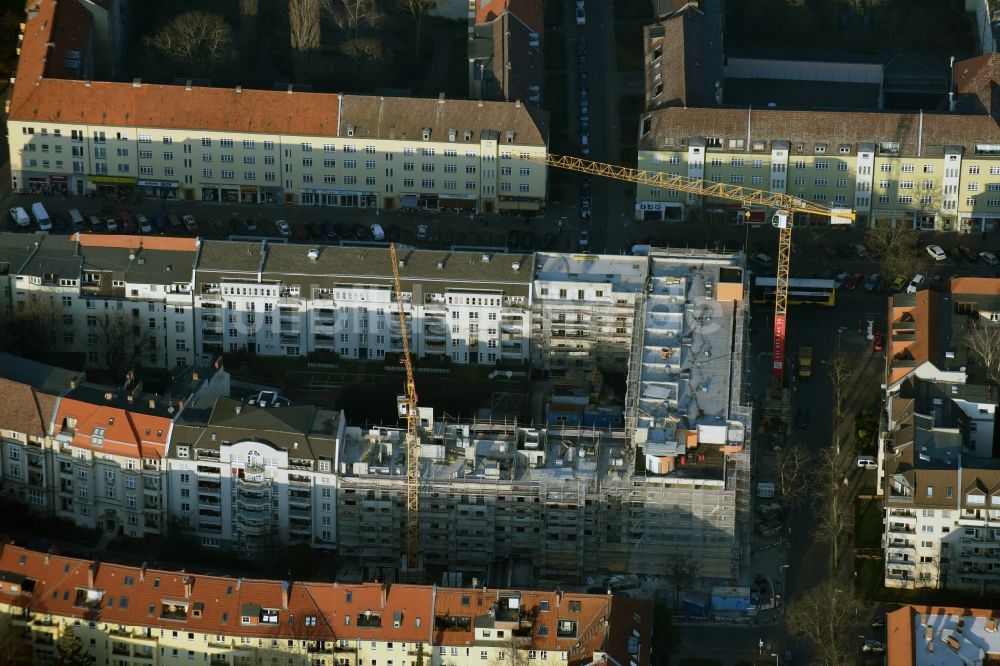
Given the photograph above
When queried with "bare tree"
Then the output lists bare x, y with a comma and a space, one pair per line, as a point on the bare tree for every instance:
121, 340
833, 508
982, 338
418, 9
683, 572
895, 249
514, 650
303, 22
199, 39
14, 646
36, 328
793, 478
249, 9
840, 370
366, 52
826, 616
352, 15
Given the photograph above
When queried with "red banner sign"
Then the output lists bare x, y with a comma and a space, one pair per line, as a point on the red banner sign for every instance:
779, 347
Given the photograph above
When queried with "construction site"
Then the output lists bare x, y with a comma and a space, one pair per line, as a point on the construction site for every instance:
617, 482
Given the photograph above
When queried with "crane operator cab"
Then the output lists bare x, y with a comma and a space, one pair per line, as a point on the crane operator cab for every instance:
781, 219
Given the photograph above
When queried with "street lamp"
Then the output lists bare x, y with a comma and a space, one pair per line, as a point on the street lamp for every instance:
775, 655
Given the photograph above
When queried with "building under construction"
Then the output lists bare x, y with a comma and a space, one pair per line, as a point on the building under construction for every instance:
577, 503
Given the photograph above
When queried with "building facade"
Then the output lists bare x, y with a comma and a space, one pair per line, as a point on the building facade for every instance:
136, 615
938, 447
255, 146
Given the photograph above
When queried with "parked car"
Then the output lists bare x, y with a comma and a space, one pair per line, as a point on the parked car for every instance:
585, 209
898, 283
967, 252
145, 227
989, 258
283, 228
802, 417
878, 342
360, 231
584, 240
329, 232
769, 511
937, 252
839, 279
20, 217
581, 16
160, 221
128, 224
872, 282
513, 239
111, 224
872, 645
915, 284
769, 528
61, 221
95, 223
190, 224
377, 232
421, 232
862, 252
852, 282
251, 224
761, 259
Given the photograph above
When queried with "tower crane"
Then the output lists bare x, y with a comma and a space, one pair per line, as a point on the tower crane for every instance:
407, 405
785, 205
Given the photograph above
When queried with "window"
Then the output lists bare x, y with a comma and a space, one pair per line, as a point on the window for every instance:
974, 169
885, 168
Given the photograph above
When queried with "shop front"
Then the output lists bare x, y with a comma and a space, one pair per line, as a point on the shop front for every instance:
926, 221
518, 205
904, 219
113, 185
659, 211
158, 189
248, 194
979, 223
270, 195
228, 193
59, 184
338, 198
408, 201
458, 203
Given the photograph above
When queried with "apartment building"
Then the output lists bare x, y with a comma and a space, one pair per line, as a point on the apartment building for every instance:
250, 475
568, 500
941, 636
938, 450
583, 313
936, 170
291, 300
506, 60
251, 146
134, 615
92, 454
119, 299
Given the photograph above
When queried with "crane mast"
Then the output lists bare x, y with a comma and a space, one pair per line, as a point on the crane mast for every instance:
786, 206
408, 404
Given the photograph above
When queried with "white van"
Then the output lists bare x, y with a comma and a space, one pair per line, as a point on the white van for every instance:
20, 217
76, 219
377, 232
915, 284
41, 216
867, 462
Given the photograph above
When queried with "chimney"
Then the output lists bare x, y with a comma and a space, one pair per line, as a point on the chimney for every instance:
142, 573
187, 85
517, 104
72, 384
92, 572
951, 101
136, 83
130, 398
188, 585
196, 376
559, 596
48, 555
239, 89
152, 403
289, 88
385, 593
239, 582
286, 587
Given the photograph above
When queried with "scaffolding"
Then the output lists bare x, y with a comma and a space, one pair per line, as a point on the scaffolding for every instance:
743, 413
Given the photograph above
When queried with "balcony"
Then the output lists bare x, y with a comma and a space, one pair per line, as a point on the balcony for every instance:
210, 336
120, 648
299, 480
901, 528
209, 487
289, 339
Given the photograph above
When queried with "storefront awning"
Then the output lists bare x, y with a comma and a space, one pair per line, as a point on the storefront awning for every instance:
111, 180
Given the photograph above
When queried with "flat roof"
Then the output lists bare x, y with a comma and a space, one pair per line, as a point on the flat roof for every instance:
626, 273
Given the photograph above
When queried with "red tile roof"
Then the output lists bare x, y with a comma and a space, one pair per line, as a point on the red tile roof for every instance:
25, 410
529, 11
134, 242
406, 613
126, 433
71, 33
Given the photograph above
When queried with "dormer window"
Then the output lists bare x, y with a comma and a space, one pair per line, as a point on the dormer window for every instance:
97, 438
510, 136
820, 148
350, 130
467, 135
427, 134
452, 134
